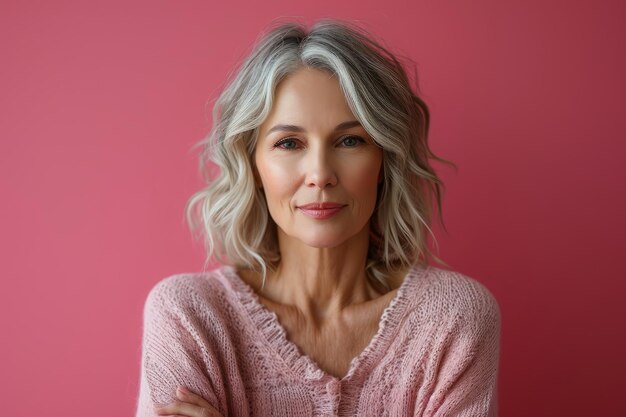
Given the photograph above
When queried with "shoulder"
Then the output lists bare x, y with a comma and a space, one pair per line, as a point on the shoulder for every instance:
186, 290
452, 295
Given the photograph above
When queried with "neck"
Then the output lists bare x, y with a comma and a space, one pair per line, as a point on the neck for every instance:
321, 282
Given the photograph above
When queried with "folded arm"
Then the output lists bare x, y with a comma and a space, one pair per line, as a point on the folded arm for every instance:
467, 382
171, 356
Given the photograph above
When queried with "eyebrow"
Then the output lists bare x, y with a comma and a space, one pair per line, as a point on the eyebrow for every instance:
294, 128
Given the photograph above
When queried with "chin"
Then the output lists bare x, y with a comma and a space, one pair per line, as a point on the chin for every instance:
324, 240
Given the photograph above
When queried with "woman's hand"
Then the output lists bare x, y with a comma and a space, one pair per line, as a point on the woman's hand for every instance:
190, 405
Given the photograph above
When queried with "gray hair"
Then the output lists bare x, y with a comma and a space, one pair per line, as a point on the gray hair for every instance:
231, 212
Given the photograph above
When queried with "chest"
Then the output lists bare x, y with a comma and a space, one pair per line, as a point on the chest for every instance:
333, 349
332, 346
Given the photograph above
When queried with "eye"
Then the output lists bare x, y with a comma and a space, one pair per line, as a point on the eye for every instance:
352, 141
287, 143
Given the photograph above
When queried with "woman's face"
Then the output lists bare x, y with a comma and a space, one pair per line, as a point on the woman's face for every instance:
311, 151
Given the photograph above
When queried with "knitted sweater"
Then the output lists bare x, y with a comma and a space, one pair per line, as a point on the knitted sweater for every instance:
435, 353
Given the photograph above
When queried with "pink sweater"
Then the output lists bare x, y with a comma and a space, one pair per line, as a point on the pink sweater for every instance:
435, 353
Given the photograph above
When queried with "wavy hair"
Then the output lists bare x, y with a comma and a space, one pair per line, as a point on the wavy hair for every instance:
231, 212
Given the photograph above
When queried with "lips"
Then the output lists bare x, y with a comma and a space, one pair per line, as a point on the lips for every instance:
321, 211
321, 206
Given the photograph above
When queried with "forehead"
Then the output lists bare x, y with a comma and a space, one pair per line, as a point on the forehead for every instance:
311, 98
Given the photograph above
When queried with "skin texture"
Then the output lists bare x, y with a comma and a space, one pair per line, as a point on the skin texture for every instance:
323, 261
319, 291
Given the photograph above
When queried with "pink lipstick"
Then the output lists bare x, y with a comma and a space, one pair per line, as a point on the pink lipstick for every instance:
321, 211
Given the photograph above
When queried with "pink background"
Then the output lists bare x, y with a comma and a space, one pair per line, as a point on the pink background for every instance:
101, 102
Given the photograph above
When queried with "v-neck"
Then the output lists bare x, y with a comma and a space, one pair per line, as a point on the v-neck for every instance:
268, 324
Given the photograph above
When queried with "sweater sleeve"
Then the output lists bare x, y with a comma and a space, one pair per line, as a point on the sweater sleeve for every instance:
171, 355
468, 376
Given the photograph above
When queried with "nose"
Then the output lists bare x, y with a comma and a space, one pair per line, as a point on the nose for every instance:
320, 169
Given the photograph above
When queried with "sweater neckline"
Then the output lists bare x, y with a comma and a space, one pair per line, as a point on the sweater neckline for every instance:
268, 324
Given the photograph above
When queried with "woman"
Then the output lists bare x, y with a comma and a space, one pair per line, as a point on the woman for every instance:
325, 303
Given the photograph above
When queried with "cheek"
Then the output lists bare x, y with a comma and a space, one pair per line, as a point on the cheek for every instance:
362, 178
277, 182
